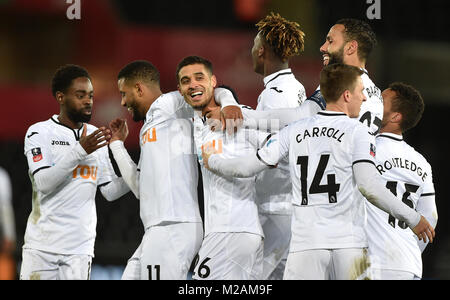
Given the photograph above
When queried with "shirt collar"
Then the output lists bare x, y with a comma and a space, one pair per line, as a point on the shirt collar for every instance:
275, 75
390, 135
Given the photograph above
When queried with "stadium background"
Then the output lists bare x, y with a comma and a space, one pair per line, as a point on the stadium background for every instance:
36, 37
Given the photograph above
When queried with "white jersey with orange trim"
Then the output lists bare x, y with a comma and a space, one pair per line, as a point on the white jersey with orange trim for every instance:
273, 187
64, 220
229, 202
328, 210
168, 169
408, 175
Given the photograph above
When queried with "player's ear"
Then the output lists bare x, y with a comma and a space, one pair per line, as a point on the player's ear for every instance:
214, 81
139, 89
59, 97
346, 95
352, 47
397, 118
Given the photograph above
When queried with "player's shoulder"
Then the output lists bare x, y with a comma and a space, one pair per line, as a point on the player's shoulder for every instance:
39, 128
417, 155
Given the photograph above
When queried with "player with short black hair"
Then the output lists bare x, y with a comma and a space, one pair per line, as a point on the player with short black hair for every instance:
166, 177
67, 161
395, 252
64, 75
233, 245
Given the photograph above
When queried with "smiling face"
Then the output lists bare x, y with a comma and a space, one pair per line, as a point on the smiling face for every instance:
196, 84
129, 100
333, 48
77, 101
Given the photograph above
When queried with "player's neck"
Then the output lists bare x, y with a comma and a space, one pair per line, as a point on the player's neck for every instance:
337, 107
273, 67
154, 95
65, 120
355, 61
212, 105
391, 129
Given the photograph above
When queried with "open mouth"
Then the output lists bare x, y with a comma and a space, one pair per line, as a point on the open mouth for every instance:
196, 95
326, 59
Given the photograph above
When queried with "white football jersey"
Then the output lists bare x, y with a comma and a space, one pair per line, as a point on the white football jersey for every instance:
64, 220
328, 212
392, 244
168, 176
371, 112
273, 187
229, 202
372, 109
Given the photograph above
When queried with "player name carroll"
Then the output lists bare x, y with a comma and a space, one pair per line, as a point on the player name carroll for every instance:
397, 162
316, 132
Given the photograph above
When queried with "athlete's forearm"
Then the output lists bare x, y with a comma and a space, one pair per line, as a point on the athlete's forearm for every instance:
241, 167
371, 186
126, 165
426, 206
224, 97
276, 119
114, 189
48, 179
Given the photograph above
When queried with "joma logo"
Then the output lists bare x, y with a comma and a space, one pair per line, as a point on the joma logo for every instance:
60, 143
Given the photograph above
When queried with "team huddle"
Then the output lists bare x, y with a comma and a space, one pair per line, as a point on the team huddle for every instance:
320, 187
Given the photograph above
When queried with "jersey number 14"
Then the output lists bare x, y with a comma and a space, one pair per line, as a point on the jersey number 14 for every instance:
331, 188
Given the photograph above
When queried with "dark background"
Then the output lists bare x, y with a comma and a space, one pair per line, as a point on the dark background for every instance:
36, 37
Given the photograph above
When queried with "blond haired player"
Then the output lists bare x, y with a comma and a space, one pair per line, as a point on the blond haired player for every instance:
67, 161
331, 159
395, 252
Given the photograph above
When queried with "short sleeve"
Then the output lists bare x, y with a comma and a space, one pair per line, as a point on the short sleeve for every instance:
276, 148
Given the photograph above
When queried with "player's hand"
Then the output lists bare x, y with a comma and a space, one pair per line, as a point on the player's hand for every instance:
119, 129
95, 140
207, 151
232, 118
424, 230
214, 119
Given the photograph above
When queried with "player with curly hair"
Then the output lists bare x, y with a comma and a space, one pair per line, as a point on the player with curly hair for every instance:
277, 41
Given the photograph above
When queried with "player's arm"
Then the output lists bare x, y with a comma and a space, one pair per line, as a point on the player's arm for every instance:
127, 167
7, 222
111, 186
426, 206
372, 187
48, 178
276, 119
275, 148
114, 189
